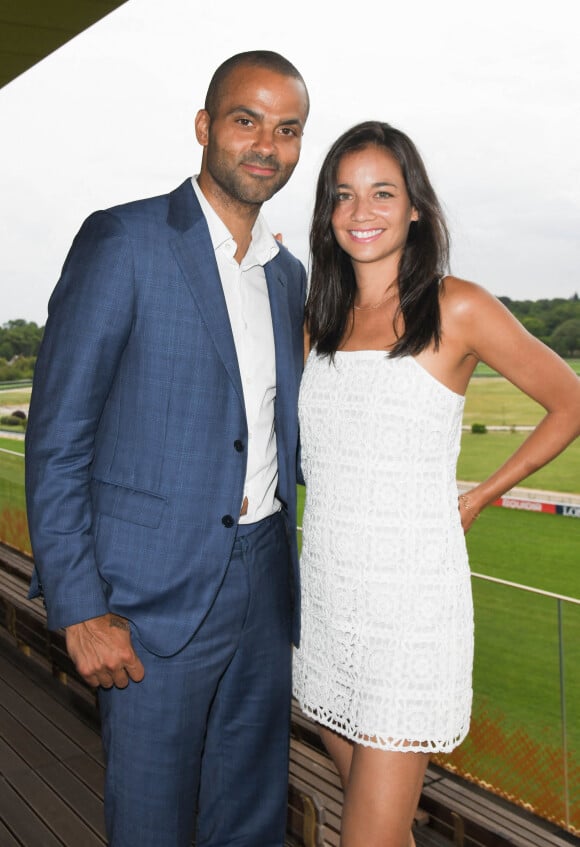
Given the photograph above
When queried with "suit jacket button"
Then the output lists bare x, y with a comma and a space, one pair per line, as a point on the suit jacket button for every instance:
238, 445
228, 521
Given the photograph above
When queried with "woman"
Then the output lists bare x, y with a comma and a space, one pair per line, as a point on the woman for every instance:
385, 660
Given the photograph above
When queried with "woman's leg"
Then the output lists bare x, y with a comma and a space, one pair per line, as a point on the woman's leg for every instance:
381, 797
385, 793
340, 750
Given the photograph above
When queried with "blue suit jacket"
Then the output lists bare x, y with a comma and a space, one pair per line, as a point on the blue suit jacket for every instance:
133, 480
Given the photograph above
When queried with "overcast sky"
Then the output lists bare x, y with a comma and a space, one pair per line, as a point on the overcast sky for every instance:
489, 91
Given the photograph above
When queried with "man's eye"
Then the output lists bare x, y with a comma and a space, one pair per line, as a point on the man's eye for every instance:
287, 130
244, 121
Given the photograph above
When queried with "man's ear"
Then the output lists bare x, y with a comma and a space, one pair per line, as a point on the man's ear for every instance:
202, 122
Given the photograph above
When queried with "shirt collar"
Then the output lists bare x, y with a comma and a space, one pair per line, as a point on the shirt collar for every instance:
263, 246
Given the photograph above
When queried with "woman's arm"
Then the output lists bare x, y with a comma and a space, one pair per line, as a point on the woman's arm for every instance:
492, 335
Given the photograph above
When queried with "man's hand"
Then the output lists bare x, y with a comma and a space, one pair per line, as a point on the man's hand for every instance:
102, 651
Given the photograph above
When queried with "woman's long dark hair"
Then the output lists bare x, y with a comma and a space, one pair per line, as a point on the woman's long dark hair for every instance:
423, 263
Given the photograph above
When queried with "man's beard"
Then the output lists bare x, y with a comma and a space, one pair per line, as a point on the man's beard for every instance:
245, 188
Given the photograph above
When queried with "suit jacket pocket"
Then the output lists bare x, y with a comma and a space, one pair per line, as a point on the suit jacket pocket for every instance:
128, 504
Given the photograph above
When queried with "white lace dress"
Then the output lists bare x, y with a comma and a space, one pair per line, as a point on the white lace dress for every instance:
387, 624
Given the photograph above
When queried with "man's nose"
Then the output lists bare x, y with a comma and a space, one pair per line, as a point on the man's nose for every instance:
264, 142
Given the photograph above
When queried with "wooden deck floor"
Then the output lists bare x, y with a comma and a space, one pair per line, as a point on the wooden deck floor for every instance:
51, 764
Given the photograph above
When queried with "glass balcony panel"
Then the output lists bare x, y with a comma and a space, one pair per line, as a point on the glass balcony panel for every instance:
523, 745
13, 524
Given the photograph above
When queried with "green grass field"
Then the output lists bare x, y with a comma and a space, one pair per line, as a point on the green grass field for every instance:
495, 401
516, 738
11, 473
15, 396
517, 660
12, 501
481, 454
484, 370
15, 445
516, 632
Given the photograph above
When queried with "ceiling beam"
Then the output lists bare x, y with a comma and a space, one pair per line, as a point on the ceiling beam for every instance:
32, 29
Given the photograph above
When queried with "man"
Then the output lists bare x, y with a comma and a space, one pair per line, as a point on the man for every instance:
161, 471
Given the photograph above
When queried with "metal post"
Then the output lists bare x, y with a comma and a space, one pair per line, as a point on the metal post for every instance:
563, 714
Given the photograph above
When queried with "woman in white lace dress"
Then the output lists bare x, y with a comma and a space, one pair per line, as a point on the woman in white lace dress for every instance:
384, 664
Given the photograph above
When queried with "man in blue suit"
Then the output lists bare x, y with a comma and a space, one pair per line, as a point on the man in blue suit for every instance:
161, 477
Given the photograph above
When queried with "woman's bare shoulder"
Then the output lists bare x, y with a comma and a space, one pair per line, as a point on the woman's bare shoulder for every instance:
456, 289
463, 299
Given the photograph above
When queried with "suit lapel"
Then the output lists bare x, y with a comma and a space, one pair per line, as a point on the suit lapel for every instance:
195, 254
278, 294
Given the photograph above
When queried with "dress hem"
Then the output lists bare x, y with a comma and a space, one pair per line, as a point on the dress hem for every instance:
404, 745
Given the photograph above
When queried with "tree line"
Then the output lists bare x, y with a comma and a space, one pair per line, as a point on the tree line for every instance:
19, 343
556, 322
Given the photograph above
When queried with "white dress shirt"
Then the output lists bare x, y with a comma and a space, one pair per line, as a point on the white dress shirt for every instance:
248, 304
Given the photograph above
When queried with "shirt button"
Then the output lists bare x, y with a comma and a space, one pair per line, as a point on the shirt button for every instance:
228, 521
238, 445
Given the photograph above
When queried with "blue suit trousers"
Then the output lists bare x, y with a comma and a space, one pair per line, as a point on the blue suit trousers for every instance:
205, 734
